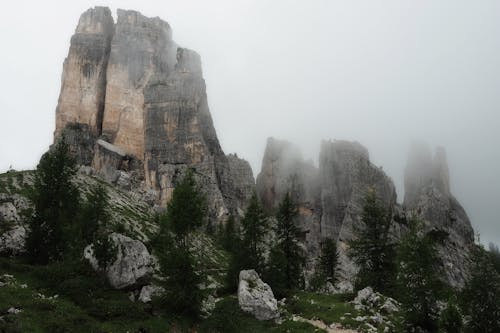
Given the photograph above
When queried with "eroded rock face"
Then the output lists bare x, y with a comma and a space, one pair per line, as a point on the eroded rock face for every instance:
133, 266
346, 175
428, 196
139, 102
329, 198
84, 73
12, 228
256, 297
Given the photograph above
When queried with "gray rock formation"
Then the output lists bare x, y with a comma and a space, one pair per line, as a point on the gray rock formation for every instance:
12, 229
148, 292
256, 297
12, 241
133, 266
330, 198
346, 175
428, 196
132, 100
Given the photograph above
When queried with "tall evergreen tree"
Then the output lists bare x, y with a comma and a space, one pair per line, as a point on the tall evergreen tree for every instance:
371, 249
229, 235
418, 283
55, 201
254, 225
326, 265
94, 226
286, 260
185, 213
248, 251
481, 295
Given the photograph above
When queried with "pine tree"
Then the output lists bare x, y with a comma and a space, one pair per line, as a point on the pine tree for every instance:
481, 295
55, 201
229, 236
418, 283
326, 265
494, 253
247, 252
254, 225
286, 260
185, 213
371, 249
94, 226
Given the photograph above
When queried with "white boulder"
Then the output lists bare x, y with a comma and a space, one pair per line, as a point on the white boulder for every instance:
149, 291
13, 240
256, 297
132, 267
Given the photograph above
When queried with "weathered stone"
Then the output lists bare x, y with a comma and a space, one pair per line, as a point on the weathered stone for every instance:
84, 73
133, 266
256, 297
428, 196
329, 199
149, 291
152, 115
13, 241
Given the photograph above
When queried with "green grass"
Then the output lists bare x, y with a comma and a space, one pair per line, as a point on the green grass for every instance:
86, 304
227, 317
327, 308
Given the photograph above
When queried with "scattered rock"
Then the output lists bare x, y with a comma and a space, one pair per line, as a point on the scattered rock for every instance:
132, 267
149, 291
256, 297
13, 241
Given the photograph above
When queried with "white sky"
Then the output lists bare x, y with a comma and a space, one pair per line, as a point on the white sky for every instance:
383, 73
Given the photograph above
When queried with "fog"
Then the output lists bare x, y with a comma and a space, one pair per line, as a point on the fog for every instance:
383, 73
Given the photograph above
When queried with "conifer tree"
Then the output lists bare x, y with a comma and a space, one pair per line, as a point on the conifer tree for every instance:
94, 226
371, 249
326, 265
418, 283
254, 225
481, 295
185, 213
55, 201
286, 260
247, 253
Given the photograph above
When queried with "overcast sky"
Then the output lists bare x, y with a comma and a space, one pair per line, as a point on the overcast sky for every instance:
383, 73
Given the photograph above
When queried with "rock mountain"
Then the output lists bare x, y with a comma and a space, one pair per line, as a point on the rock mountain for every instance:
133, 107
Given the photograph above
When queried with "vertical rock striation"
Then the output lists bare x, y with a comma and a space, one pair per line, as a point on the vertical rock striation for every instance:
428, 196
131, 99
329, 198
83, 87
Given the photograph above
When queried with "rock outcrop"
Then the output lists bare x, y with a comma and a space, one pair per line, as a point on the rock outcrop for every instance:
256, 297
133, 265
329, 198
12, 228
428, 196
132, 100
346, 176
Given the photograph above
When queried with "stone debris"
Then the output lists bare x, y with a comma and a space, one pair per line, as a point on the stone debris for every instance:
256, 297
132, 267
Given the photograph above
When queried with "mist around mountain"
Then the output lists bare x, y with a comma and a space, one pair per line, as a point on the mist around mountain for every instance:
136, 219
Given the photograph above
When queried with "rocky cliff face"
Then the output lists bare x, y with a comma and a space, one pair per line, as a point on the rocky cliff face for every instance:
346, 175
428, 196
132, 101
329, 198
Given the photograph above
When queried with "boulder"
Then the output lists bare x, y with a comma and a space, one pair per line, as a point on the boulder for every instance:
133, 266
12, 241
256, 297
148, 292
